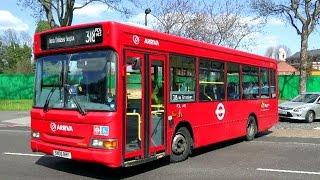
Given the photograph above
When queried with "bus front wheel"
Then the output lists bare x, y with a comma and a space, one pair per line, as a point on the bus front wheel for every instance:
181, 145
252, 128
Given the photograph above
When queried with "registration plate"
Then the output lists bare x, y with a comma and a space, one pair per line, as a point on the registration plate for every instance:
62, 154
282, 112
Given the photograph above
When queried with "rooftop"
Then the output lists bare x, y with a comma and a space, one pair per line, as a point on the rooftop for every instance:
312, 53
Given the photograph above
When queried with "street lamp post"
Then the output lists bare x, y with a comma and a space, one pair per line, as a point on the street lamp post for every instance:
147, 11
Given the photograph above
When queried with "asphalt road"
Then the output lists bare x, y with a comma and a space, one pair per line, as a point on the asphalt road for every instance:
266, 157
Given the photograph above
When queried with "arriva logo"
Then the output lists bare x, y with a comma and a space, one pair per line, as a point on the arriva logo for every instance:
60, 127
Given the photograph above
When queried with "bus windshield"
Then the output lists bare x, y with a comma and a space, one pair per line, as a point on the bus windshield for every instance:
87, 79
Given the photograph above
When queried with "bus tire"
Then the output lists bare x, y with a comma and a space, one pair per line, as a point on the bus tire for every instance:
310, 116
181, 145
252, 128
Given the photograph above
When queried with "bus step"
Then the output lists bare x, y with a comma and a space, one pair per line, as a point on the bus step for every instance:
141, 161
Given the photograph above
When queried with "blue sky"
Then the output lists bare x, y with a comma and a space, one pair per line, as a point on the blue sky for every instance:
275, 32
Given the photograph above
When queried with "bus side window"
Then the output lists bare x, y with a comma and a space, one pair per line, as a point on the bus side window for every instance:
264, 83
182, 79
250, 82
233, 81
273, 84
211, 80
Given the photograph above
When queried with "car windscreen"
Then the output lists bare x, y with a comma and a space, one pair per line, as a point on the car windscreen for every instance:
306, 98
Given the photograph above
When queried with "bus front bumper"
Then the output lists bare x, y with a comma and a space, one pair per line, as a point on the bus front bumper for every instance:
109, 158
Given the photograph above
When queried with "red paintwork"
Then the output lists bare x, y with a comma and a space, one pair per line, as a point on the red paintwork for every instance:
206, 128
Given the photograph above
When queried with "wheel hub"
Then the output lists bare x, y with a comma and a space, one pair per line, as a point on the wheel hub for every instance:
179, 144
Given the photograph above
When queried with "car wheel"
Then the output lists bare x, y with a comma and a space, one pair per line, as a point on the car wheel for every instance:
251, 128
310, 116
181, 145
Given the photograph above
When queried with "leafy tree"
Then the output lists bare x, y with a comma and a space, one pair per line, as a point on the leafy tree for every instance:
42, 26
15, 53
302, 15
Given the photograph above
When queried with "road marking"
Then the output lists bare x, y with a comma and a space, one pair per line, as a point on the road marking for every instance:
317, 128
294, 143
22, 154
288, 171
14, 131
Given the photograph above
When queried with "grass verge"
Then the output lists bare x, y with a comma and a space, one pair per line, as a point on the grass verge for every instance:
16, 105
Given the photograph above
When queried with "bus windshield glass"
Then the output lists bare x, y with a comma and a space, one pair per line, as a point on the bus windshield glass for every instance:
86, 79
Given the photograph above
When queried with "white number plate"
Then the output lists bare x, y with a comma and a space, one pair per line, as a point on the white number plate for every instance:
282, 112
62, 154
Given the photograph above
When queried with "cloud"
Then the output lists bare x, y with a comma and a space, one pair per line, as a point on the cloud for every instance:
261, 42
250, 20
275, 22
93, 10
9, 21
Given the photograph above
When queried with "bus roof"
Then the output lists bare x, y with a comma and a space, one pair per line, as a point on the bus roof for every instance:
132, 29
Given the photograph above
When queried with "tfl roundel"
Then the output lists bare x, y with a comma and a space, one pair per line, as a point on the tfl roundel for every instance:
220, 111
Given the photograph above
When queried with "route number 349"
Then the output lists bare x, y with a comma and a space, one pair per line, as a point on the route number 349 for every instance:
91, 35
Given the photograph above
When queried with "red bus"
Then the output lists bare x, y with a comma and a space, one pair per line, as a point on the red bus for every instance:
121, 95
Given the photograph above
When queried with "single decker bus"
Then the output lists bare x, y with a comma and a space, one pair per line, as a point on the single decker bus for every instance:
121, 95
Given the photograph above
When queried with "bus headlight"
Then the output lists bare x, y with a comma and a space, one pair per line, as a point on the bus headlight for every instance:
35, 134
104, 143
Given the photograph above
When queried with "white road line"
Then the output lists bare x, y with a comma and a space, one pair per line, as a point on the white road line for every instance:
317, 128
288, 171
294, 143
22, 154
14, 131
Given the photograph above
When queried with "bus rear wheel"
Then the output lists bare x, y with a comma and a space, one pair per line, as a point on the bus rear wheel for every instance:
181, 145
252, 128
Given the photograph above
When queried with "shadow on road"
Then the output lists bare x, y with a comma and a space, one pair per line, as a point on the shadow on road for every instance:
96, 170
287, 120
101, 172
221, 145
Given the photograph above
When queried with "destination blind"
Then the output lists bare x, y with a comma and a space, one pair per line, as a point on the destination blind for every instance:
77, 37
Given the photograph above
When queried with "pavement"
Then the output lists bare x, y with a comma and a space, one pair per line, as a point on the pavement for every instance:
15, 119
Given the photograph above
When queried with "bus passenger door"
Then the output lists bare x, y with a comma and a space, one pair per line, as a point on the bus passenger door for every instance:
156, 104
145, 105
134, 92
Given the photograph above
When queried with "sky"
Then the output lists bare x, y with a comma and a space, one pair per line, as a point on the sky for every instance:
276, 32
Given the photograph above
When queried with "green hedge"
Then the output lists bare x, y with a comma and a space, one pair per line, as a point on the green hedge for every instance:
289, 85
20, 86
16, 86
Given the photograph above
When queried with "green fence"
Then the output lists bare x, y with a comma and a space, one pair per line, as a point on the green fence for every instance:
16, 86
20, 86
289, 85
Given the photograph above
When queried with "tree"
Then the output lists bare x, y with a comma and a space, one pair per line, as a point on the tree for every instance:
273, 51
15, 52
302, 15
60, 12
42, 26
218, 22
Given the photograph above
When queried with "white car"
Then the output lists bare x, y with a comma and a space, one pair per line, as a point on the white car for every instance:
304, 107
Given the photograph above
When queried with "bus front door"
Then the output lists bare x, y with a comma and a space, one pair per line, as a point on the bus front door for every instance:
145, 107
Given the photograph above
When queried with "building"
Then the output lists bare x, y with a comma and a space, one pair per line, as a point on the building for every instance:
283, 67
314, 61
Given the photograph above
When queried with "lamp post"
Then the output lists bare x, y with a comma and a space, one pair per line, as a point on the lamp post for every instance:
147, 11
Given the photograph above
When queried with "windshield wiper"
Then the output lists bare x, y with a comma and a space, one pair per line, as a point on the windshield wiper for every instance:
78, 105
46, 104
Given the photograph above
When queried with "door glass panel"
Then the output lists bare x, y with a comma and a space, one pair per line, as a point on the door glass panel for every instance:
134, 106
157, 105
